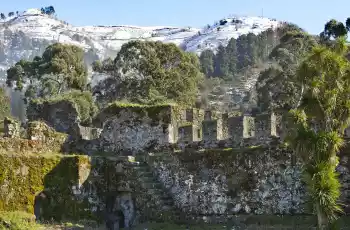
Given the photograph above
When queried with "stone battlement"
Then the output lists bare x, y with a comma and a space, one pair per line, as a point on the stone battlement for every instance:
136, 129
211, 128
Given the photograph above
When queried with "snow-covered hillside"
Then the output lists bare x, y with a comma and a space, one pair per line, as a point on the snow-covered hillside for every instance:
107, 40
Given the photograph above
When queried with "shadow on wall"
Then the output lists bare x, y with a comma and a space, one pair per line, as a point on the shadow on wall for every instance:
79, 189
18, 107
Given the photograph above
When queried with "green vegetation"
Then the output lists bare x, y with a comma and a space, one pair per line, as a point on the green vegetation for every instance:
277, 87
82, 100
5, 108
61, 67
240, 54
150, 73
54, 174
321, 116
156, 112
18, 221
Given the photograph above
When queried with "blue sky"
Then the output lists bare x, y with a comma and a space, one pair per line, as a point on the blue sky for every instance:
309, 14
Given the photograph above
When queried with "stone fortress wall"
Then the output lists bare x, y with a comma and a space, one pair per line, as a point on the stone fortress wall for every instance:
242, 169
131, 130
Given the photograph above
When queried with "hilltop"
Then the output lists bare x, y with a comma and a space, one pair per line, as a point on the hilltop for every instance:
27, 33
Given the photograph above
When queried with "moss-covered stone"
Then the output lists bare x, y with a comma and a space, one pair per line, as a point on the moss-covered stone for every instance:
41, 131
11, 127
23, 177
157, 113
81, 101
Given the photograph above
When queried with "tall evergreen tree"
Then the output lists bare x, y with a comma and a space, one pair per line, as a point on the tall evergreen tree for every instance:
231, 57
242, 49
220, 62
207, 62
252, 48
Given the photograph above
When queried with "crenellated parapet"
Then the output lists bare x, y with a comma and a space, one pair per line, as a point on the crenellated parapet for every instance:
142, 128
210, 128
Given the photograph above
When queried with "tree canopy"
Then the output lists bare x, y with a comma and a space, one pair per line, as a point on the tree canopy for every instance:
61, 67
151, 72
5, 105
277, 86
320, 118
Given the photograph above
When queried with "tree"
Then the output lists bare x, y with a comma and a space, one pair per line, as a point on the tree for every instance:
2, 15
277, 86
61, 67
242, 50
347, 24
231, 58
220, 62
5, 105
320, 117
334, 29
50, 10
252, 48
153, 72
207, 62
11, 14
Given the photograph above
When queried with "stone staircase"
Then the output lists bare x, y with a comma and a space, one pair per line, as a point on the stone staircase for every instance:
169, 213
161, 200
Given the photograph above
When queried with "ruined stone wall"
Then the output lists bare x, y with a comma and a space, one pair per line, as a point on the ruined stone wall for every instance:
62, 187
128, 130
61, 115
246, 181
250, 181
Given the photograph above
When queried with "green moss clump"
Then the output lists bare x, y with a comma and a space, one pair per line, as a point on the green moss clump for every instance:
46, 134
83, 102
158, 113
22, 177
18, 221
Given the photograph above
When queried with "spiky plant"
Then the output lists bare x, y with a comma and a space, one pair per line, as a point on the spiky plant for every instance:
319, 121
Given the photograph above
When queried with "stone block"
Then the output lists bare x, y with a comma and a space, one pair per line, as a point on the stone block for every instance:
207, 115
190, 115
212, 130
240, 127
186, 133
225, 132
11, 128
89, 133
265, 126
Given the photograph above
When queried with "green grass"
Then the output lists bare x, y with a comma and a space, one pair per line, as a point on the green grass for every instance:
18, 221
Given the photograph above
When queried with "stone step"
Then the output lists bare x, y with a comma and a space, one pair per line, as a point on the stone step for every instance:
152, 185
145, 174
147, 179
154, 190
142, 168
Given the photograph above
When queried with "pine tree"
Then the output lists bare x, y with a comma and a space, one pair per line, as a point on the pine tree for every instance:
220, 62
242, 50
252, 48
207, 62
231, 57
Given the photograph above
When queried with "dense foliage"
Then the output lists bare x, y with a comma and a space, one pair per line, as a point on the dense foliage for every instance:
320, 117
277, 86
334, 29
5, 106
61, 67
241, 53
150, 72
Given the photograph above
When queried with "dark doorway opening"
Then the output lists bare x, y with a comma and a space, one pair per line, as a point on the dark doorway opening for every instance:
121, 219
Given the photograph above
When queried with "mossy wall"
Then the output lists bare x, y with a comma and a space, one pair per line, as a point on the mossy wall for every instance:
67, 187
23, 177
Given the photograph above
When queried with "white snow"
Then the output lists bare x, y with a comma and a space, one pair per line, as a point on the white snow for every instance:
31, 12
110, 38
